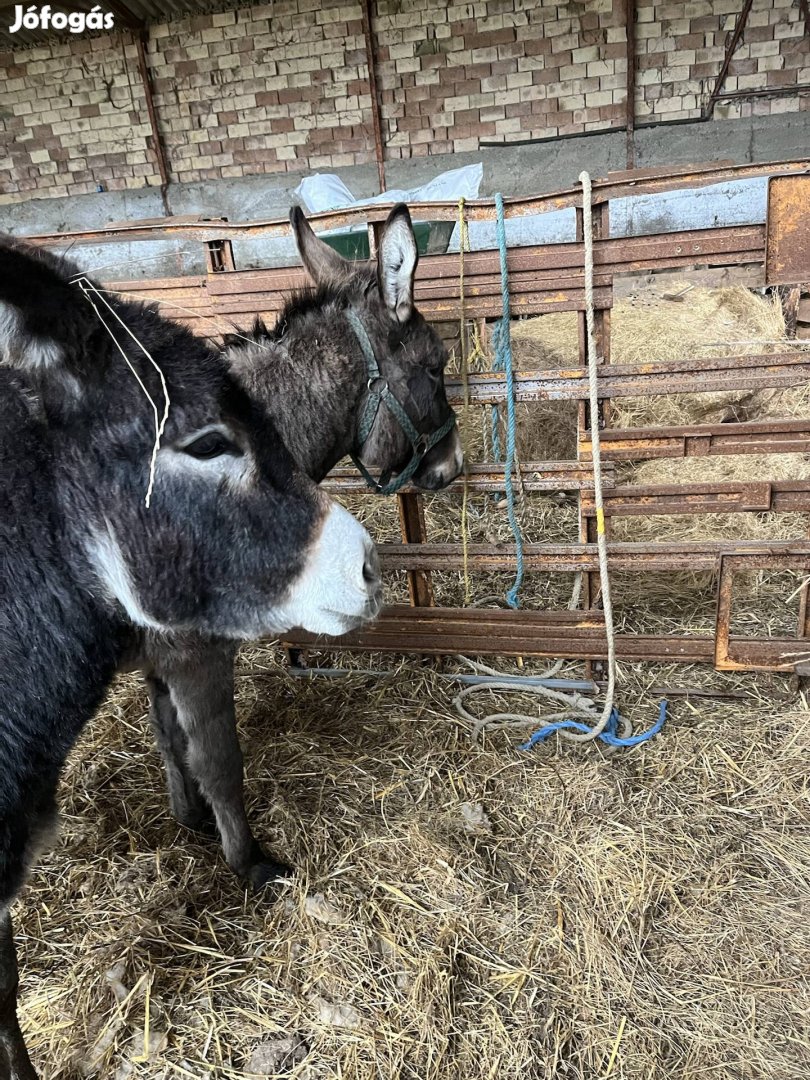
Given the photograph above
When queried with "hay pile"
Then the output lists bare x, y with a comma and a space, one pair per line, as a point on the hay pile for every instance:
461, 910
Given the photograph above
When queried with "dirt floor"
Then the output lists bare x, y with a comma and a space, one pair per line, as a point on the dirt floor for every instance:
463, 909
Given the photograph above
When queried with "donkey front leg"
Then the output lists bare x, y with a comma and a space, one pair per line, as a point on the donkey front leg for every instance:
201, 693
185, 798
15, 1063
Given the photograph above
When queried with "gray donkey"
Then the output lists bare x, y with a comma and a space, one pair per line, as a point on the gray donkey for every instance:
337, 372
235, 541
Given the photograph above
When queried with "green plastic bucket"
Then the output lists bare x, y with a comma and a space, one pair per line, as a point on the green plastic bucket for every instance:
432, 238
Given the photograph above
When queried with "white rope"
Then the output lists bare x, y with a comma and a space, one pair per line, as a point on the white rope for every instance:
575, 705
88, 287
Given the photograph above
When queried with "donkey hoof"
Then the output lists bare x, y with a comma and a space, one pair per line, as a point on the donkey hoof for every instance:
266, 873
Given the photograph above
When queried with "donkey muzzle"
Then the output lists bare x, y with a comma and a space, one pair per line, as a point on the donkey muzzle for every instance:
340, 586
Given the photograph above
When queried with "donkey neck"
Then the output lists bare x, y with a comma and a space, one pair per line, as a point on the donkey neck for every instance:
59, 645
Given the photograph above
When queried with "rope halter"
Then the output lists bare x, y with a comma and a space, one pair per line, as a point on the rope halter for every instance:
379, 393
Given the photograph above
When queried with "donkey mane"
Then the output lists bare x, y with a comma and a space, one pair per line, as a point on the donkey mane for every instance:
311, 300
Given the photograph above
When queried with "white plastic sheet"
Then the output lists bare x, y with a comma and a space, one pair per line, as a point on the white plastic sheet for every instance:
326, 191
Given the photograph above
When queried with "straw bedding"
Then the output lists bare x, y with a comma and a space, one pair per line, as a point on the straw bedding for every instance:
462, 909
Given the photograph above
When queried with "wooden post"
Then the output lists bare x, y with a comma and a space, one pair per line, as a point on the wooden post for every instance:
630, 114
411, 506
157, 142
372, 89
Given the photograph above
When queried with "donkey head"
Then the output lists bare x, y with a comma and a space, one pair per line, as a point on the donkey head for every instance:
234, 541
408, 352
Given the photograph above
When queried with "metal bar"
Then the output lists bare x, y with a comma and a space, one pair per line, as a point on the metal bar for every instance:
371, 63
542, 279
731, 48
694, 375
732, 497
543, 634
414, 531
777, 496
140, 39
765, 91
549, 476
630, 84
787, 231
707, 440
803, 621
728, 656
573, 558
553, 266
476, 209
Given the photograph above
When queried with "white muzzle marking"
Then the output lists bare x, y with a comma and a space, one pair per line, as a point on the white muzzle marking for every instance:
340, 586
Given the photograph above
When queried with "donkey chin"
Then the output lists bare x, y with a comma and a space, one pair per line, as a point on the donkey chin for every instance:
340, 586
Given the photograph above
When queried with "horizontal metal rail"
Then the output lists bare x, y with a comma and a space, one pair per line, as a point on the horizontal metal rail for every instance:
702, 556
727, 497
542, 279
730, 497
703, 440
571, 635
529, 476
691, 376
615, 186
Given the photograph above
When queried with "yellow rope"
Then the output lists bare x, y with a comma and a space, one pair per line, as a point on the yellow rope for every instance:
464, 245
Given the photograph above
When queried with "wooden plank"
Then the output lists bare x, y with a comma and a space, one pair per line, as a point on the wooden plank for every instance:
573, 558
571, 635
548, 476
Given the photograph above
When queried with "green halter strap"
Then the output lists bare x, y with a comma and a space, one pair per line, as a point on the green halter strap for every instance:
379, 393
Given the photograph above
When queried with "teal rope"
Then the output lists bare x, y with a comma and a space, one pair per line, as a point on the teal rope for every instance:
503, 362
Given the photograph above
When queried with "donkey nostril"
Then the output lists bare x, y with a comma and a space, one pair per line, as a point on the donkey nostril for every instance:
371, 566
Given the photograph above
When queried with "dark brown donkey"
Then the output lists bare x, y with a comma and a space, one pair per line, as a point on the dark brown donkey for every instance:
341, 364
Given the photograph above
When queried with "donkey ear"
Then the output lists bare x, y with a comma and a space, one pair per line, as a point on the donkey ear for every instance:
27, 285
321, 262
39, 313
396, 263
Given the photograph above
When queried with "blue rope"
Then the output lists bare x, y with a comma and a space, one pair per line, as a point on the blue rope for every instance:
503, 362
608, 736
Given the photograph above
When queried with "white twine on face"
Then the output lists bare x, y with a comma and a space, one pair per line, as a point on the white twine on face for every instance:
87, 288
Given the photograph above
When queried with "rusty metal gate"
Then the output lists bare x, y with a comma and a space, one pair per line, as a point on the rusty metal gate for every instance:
544, 279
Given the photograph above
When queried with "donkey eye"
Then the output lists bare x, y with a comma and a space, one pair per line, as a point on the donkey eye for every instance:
212, 444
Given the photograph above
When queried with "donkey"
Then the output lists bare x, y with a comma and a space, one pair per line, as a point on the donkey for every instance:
210, 530
349, 368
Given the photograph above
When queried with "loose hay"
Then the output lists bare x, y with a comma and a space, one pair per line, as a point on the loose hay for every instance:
659, 893
463, 910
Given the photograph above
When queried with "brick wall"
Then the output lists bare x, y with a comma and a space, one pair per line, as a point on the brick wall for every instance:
503, 70
73, 115
680, 49
284, 86
276, 87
